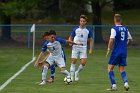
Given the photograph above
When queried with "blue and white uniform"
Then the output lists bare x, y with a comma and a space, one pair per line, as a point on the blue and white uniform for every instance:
119, 52
80, 36
56, 53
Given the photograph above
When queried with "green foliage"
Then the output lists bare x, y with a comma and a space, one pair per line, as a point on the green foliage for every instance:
10, 8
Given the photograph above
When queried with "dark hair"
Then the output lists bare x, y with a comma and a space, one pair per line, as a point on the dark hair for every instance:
52, 32
84, 17
45, 34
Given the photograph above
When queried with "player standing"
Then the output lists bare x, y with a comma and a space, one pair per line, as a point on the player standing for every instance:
121, 37
80, 35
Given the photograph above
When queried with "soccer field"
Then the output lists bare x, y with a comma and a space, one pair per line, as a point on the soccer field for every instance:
93, 79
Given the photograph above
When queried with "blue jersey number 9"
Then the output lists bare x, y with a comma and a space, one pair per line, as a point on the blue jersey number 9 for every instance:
122, 36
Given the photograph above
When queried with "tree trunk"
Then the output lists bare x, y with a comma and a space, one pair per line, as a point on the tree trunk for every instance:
6, 30
97, 21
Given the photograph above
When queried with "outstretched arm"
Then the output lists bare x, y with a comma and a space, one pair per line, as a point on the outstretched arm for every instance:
70, 39
71, 42
38, 58
41, 63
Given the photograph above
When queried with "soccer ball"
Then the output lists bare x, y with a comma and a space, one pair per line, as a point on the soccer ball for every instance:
67, 80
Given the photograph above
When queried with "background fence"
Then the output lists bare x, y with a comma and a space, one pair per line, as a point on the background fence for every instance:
23, 38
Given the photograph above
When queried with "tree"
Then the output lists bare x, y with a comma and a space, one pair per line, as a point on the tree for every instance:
10, 9
5, 19
97, 6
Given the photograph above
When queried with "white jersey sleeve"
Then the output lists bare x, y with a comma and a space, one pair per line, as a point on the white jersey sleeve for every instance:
113, 33
129, 36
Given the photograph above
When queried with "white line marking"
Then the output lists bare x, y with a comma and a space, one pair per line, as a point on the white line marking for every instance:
16, 74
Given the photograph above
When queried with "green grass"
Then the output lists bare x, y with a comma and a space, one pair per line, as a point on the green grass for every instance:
93, 79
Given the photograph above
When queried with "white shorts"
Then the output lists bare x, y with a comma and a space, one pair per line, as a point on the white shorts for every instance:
59, 60
79, 51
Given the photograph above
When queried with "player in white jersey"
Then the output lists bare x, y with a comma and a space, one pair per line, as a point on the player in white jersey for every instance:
80, 35
56, 56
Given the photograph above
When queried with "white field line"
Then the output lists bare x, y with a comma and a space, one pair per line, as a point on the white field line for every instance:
16, 74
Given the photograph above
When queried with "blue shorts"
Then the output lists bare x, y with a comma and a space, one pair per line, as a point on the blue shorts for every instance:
117, 60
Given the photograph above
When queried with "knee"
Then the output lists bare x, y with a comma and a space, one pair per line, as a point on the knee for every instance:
74, 61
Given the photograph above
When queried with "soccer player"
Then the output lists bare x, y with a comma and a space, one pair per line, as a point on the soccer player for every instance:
121, 37
55, 50
52, 68
80, 35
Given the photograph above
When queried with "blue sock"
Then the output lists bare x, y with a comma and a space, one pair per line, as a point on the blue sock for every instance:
112, 77
52, 71
124, 77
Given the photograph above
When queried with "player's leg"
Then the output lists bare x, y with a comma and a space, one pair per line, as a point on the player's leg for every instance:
124, 77
51, 79
111, 64
83, 59
74, 57
49, 62
44, 73
112, 76
123, 73
64, 71
72, 68
61, 64
80, 68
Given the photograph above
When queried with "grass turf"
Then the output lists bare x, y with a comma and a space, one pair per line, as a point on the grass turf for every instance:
93, 79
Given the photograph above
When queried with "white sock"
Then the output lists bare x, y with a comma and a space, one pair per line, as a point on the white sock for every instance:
80, 68
114, 85
72, 70
65, 72
44, 73
126, 84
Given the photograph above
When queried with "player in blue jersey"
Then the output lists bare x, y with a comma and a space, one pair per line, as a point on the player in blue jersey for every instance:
55, 56
80, 35
121, 37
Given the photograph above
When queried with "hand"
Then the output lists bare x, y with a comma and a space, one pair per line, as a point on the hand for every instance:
36, 64
90, 51
107, 53
40, 64
70, 44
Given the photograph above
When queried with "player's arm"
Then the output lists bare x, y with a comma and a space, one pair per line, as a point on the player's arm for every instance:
110, 44
44, 48
41, 63
71, 42
70, 39
111, 40
130, 40
90, 41
90, 45
38, 58
72, 35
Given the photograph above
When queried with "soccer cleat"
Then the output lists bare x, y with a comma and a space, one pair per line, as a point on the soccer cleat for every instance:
42, 83
112, 89
38, 82
50, 80
76, 76
126, 88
